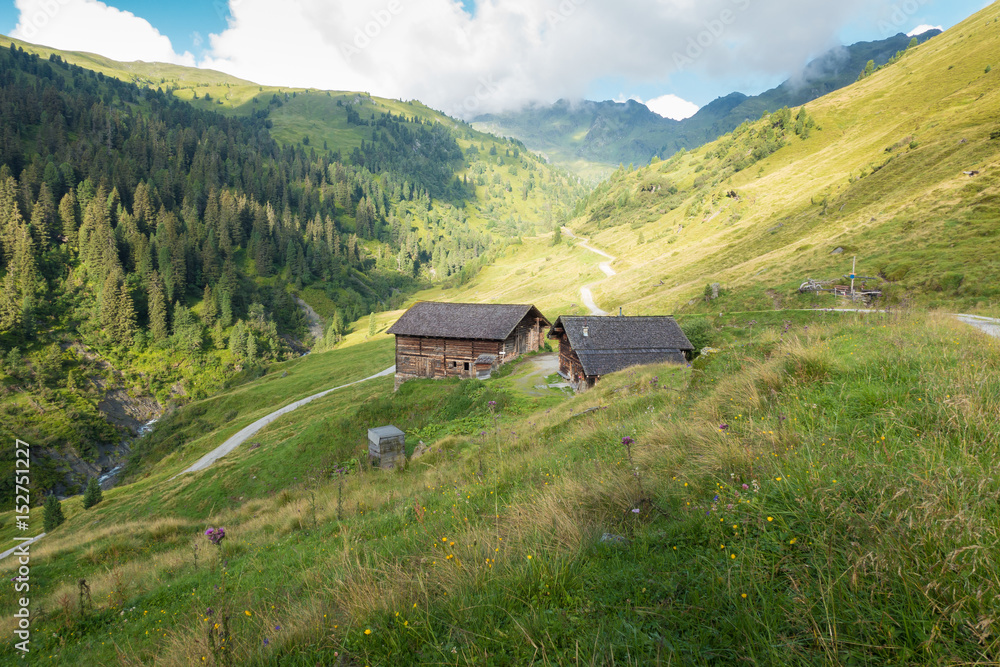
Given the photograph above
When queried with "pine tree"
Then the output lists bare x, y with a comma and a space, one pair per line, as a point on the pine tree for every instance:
210, 309
371, 325
43, 217
338, 325
53, 512
557, 236
124, 323
93, 494
157, 309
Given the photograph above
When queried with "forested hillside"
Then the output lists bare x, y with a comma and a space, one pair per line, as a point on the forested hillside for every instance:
150, 248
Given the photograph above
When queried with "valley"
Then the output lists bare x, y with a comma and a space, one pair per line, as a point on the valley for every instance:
816, 483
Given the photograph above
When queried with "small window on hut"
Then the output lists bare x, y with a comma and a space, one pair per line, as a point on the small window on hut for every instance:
451, 364
466, 365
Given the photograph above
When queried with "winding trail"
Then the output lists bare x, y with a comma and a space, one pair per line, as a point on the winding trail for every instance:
586, 295
248, 431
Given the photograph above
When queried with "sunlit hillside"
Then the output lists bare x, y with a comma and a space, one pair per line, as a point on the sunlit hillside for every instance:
899, 169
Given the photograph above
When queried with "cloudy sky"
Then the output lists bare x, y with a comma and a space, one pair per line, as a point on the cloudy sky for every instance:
473, 56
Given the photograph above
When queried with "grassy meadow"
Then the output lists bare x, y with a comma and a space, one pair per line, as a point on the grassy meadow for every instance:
821, 489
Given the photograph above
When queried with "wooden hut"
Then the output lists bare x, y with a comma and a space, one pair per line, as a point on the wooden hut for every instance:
590, 347
466, 340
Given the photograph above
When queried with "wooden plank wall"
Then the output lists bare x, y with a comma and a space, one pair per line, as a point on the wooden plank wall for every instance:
569, 362
440, 357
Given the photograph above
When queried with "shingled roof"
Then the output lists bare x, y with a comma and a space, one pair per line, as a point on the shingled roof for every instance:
615, 343
478, 321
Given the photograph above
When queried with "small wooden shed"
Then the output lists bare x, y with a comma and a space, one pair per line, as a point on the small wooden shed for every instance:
591, 346
387, 447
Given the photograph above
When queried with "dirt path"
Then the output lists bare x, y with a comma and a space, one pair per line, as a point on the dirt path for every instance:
245, 433
989, 325
534, 383
25, 542
586, 295
315, 321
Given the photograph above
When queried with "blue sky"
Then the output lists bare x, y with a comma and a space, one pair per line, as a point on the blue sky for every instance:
503, 52
179, 20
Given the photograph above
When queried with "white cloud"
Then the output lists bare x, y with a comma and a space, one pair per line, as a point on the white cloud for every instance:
89, 25
510, 52
921, 29
671, 106
505, 54
668, 106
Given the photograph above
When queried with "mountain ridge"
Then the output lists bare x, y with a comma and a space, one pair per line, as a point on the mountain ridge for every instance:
610, 133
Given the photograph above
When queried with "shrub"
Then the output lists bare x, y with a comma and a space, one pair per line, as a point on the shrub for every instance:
53, 512
93, 494
698, 331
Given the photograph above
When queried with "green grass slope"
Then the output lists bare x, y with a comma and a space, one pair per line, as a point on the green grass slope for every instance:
879, 175
819, 491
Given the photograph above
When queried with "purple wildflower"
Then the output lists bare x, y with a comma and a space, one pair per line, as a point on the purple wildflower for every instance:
215, 535
627, 440
723, 427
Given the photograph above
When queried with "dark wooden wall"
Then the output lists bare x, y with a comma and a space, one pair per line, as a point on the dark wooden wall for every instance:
420, 357
569, 363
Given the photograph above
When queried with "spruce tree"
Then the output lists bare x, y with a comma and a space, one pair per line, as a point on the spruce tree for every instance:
53, 512
157, 309
69, 218
124, 323
93, 494
371, 325
43, 217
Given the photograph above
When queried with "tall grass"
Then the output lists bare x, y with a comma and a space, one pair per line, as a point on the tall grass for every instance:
845, 514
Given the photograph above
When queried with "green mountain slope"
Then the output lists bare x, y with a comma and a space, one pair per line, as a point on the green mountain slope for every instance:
591, 136
898, 169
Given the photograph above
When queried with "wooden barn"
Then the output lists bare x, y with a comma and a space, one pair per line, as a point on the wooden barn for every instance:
466, 340
590, 347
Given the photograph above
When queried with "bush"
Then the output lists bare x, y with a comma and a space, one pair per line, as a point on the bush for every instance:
93, 494
53, 512
699, 332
